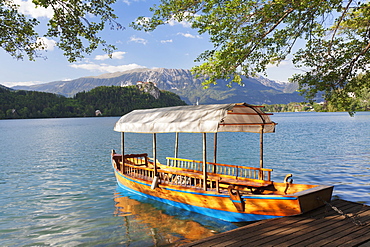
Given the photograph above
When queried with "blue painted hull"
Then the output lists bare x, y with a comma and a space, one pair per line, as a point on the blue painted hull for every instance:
219, 214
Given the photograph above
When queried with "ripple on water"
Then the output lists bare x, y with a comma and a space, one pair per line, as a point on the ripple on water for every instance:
58, 188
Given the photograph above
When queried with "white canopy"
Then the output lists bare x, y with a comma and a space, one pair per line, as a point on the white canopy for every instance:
240, 117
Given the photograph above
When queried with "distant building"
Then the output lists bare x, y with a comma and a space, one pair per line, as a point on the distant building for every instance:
98, 113
351, 95
139, 83
126, 83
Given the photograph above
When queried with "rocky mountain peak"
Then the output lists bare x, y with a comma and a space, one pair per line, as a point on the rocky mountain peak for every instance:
149, 87
257, 90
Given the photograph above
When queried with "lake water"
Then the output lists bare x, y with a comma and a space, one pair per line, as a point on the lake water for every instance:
58, 187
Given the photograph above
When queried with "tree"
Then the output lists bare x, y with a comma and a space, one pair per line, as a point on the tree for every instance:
248, 35
74, 23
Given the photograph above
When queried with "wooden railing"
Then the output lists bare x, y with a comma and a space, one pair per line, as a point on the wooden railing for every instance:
140, 166
132, 163
189, 173
136, 159
232, 171
139, 172
185, 179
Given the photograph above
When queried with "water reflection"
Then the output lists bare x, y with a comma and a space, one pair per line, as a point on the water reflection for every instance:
57, 182
150, 223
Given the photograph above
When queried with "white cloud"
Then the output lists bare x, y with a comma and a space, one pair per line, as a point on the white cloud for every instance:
138, 40
171, 22
281, 64
166, 41
128, 2
47, 44
185, 24
115, 55
29, 8
106, 68
143, 20
188, 35
27, 83
23, 83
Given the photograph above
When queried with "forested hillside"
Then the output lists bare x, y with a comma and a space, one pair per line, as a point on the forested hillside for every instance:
101, 101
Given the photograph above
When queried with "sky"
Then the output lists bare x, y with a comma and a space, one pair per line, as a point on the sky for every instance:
173, 46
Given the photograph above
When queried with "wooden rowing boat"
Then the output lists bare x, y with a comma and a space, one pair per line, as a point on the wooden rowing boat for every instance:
232, 193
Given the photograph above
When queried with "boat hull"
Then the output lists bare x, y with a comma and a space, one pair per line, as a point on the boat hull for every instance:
222, 206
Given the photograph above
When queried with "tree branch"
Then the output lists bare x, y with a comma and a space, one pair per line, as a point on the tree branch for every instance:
352, 64
286, 13
338, 24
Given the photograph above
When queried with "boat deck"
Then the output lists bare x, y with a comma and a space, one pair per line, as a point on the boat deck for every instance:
321, 227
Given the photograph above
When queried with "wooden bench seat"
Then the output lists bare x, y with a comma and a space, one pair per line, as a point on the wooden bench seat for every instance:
245, 182
181, 172
250, 183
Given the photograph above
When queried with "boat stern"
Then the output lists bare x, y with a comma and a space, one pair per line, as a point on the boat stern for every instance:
315, 197
309, 197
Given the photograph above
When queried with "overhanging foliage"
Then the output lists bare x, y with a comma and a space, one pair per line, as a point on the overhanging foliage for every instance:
249, 35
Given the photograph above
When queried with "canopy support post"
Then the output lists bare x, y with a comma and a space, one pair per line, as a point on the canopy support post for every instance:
205, 161
215, 152
261, 152
122, 145
177, 148
155, 153
177, 145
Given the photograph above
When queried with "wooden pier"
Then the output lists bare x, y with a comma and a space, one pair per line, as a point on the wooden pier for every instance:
342, 223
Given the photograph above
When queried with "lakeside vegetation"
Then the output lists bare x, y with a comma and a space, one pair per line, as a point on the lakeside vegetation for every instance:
356, 104
100, 101
116, 101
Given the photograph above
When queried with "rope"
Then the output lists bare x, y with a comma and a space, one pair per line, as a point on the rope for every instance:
352, 218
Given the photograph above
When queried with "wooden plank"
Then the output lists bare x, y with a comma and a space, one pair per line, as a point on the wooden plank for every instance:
293, 232
245, 182
266, 229
352, 234
246, 234
365, 244
361, 235
287, 232
225, 236
249, 113
220, 164
254, 239
314, 234
245, 124
345, 206
216, 239
322, 226
341, 237
225, 179
261, 232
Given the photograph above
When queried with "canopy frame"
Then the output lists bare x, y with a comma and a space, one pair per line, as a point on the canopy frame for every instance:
239, 117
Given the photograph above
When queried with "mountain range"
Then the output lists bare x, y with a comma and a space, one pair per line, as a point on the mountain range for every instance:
3, 87
258, 90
